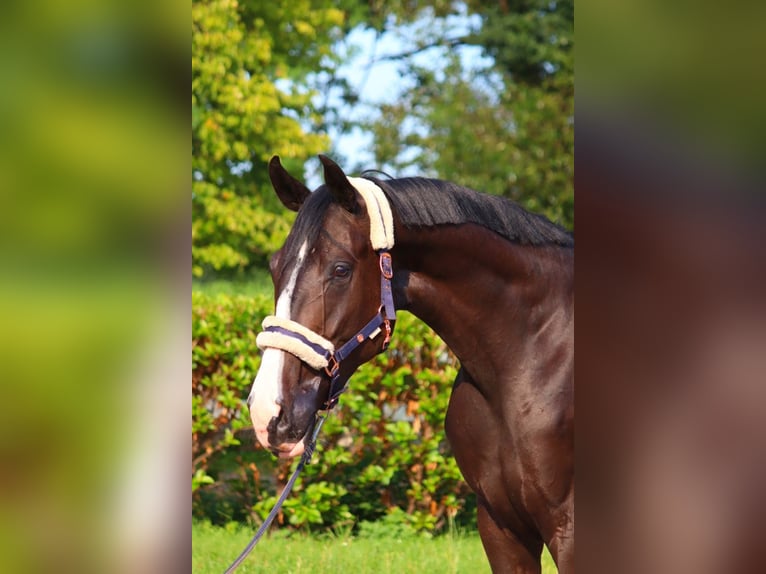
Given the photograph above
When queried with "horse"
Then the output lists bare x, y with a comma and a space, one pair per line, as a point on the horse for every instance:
492, 279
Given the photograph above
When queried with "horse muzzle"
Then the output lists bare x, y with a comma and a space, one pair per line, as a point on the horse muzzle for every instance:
283, 439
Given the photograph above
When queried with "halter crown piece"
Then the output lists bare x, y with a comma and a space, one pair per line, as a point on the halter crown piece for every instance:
313, 349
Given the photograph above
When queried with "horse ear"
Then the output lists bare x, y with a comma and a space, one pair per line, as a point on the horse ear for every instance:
291, 192
340, 187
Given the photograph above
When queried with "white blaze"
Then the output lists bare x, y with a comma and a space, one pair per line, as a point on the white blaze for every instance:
266, 392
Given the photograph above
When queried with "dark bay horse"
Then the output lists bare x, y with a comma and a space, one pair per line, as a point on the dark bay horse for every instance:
493, 280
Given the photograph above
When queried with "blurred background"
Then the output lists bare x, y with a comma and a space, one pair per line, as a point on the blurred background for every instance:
671, 272
94, 259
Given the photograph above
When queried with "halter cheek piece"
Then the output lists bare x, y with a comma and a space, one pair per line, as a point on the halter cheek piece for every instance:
313, 349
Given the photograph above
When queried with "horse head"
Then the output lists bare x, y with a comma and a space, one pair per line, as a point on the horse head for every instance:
327, 286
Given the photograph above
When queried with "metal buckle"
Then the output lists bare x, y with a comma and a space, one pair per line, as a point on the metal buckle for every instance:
387, 325
332, 366
328, 406
386, 266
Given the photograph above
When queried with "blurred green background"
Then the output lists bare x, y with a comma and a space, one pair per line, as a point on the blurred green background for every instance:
93, 223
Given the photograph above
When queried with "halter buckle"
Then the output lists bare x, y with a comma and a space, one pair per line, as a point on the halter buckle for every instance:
386, 266
332, 366
387, 339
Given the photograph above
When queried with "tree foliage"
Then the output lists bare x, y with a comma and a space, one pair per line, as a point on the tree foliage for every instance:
505, 128
250, 100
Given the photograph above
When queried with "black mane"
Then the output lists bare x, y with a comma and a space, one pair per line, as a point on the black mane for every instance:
422, 202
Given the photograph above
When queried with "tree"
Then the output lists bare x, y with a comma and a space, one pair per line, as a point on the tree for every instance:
506, 128
250, 100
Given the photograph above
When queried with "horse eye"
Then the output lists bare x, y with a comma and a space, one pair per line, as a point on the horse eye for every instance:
341, 271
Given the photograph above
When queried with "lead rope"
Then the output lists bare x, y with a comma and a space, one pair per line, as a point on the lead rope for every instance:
305, 459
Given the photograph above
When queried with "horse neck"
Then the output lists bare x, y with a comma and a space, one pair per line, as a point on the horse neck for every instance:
487, 298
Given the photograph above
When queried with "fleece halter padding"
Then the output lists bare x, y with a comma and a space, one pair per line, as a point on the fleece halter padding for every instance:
312, 348
296, 339
379, 210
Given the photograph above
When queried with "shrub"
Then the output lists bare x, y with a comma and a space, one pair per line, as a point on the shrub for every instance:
382, 453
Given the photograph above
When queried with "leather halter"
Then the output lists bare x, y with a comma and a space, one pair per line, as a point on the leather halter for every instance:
381, 321
313, 349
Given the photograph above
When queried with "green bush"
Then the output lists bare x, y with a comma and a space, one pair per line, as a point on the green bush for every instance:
382, 454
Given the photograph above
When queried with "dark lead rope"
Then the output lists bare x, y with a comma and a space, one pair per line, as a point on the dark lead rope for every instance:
305, 459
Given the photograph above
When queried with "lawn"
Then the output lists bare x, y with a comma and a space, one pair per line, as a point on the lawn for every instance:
256, 282
214, 548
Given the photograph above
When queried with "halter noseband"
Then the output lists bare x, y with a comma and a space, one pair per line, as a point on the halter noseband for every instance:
315, 350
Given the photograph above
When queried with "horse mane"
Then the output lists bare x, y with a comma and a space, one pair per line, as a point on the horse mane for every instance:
423, 202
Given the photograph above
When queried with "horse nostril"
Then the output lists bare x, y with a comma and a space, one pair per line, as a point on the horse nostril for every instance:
274, 424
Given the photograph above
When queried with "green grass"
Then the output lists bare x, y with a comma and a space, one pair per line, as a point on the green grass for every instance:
256, 282
214, 548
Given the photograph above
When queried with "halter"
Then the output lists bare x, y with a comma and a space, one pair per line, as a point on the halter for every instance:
313, 349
